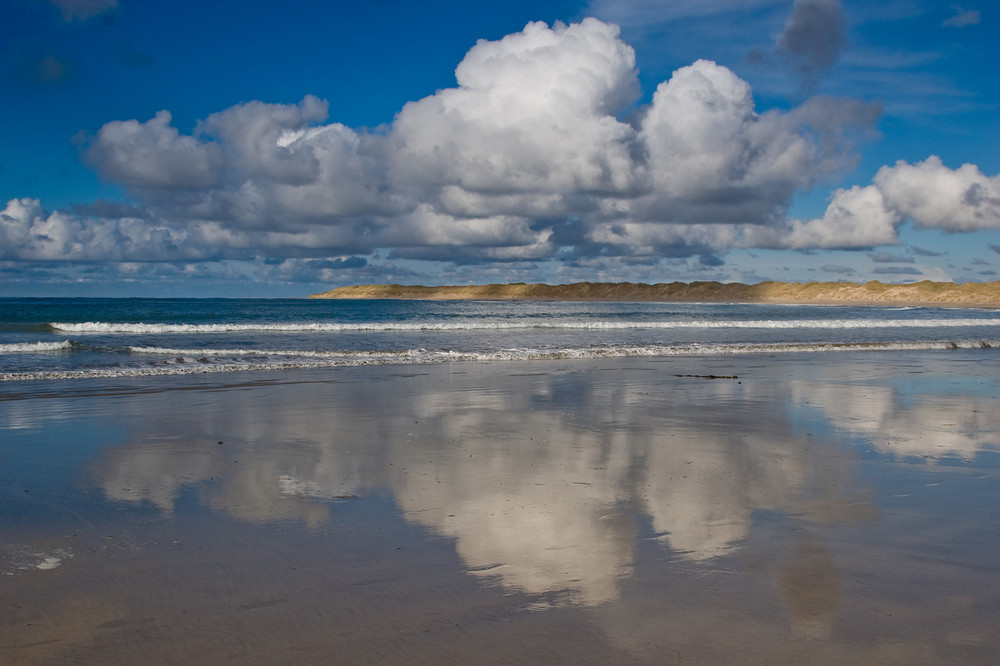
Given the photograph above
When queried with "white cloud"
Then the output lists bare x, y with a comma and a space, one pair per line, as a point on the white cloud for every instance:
934, 196
153, 154
534, 112
262, 139
30, 233
855, 218
928, 193
712, 158
529, 156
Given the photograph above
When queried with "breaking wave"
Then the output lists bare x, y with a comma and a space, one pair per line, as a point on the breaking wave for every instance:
32, 347
477, 325
201, 361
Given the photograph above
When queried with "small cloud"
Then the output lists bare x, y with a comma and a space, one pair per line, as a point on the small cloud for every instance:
988, 273
757, 57
897, 270
814, 37
81, 10
339, 264
995, 248
962, 17
136, 59
836, 268
47, 71
919, 251
980, 262
888, 258
710, 260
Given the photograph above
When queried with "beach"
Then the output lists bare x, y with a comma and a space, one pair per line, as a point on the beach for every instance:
758, 508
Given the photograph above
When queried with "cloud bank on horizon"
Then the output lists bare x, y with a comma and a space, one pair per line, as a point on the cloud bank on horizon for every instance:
540, 153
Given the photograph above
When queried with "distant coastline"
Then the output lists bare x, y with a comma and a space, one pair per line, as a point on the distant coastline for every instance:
971, 294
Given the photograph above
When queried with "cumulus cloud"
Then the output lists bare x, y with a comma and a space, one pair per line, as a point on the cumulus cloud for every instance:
934, 196
855, 218
262, 139
529, 157
30, 233
532, 112
153, 154
713, 159
927, 193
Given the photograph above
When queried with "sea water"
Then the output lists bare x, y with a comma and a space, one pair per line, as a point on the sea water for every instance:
88, 338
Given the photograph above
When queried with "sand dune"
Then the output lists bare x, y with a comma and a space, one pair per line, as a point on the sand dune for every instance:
937, 293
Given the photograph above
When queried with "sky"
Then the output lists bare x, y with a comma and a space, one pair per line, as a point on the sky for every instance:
278, 149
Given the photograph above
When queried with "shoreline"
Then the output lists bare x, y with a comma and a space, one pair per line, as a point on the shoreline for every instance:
920, 294
499, 512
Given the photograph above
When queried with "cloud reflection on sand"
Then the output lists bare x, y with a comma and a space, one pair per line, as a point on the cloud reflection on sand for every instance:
928, 426
701, 497
543, 481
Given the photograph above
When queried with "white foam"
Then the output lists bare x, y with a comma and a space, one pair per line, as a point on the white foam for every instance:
25, 558
49, 562
480, 325
209, 352
206, 364
31, 347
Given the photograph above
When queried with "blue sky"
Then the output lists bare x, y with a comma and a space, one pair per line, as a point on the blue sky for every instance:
263, 149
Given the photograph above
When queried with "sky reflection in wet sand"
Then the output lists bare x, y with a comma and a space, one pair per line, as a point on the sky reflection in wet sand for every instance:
806, 509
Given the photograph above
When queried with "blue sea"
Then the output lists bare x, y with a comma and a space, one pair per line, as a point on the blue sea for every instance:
43, 339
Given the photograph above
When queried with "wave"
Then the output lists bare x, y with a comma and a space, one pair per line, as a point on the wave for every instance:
478, 325
31, 347
171, 351
205, 361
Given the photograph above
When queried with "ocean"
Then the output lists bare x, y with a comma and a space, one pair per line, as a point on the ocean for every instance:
76, 338
588, 482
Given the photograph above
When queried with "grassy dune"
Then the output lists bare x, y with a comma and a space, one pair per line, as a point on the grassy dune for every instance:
936, 293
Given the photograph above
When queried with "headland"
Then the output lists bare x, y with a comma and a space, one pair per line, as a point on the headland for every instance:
941, 294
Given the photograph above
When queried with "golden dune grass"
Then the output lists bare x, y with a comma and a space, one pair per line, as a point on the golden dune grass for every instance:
933, 293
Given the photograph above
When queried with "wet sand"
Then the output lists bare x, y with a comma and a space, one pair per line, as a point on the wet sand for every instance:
823, 509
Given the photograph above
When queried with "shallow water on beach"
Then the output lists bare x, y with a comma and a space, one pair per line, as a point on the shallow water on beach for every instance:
790, 508
44, 339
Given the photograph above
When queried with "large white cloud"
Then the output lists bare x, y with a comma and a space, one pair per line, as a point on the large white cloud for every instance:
712, 158
533, 112
537, 150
